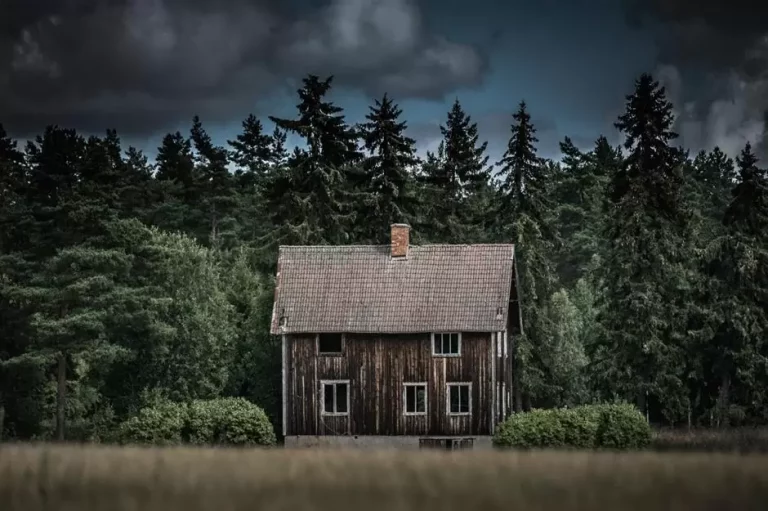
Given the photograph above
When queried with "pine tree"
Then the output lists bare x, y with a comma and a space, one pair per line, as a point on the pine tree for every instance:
645, 277
252, 152
737, 268
311, 201
72, 295
219, 198
178, 185
456, 179
522, 219
388, 169
13, 178
579, 193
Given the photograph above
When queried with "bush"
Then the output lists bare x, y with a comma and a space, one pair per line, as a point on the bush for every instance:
623, 427
580, 426
534, 429
161, 424
584, 427
228, 421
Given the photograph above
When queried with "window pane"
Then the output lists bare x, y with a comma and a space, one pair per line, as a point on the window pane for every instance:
454, 397
464, 399
409, 399
421, 399
438, 344
329, 343
328, 398
455, 344
341, 398
446, 344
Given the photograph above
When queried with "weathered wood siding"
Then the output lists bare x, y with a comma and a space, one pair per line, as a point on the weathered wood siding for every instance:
376, 367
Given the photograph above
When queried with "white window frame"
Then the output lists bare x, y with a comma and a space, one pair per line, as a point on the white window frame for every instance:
323, 411
330, 353
405, 398
435, 353
448, 398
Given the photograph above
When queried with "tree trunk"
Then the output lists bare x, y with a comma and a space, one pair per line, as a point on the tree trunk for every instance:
2, 419
723, 399
61, 396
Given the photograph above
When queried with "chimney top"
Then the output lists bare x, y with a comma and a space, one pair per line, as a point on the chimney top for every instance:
400, 238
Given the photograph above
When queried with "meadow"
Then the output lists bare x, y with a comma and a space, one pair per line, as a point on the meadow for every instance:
91, 478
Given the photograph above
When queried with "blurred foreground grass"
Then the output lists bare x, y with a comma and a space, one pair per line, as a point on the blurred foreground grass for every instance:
70, 478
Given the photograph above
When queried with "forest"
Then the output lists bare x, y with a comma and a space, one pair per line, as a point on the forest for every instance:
124, 281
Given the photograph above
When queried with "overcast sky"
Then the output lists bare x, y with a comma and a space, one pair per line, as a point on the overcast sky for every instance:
146, 67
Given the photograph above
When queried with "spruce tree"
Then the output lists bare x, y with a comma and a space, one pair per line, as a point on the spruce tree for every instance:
737, 268
252, 153
177, 185
13, 207
388, 169
522, 219
579, 193
645, 277
312, 199
455, 180
218, 196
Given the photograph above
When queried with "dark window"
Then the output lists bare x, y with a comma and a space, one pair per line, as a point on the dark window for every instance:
458, 394
335, 398
329, 344
415, 398
447, 344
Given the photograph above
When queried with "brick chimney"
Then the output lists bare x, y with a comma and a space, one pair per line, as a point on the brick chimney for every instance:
400, 235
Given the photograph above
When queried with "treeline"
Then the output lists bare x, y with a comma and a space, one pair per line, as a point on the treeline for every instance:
124, 282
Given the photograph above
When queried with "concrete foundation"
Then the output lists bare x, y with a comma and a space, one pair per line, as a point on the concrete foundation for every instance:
378, 442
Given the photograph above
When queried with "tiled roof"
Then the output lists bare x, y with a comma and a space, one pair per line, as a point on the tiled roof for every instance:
361, 289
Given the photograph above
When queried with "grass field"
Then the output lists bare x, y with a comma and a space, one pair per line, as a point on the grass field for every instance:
70, 478
752, 440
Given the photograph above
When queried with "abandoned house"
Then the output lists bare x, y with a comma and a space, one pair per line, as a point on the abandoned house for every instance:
396, 345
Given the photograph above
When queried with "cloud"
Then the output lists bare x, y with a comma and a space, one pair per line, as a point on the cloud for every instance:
713, 58
144, 65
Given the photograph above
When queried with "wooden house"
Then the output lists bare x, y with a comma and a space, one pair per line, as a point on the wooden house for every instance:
396, 345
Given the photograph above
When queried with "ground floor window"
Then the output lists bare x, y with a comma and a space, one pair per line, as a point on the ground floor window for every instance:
415, 398
335, 397
459, 398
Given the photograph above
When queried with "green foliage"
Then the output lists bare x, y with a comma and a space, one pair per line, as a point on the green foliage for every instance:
228, 421
622, 426
614, 426
161, 424
642, 271
530, 430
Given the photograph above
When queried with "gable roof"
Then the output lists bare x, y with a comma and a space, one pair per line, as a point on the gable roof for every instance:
361, 289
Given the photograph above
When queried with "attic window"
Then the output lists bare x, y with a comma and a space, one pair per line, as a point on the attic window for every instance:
446, 344
329, 344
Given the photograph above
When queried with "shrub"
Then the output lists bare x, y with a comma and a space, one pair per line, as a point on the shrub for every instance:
161, 424
580, 426
534, 429
585, 427
228, 421
623, 427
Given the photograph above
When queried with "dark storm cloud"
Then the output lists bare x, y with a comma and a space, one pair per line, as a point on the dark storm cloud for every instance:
713, 57
142, 65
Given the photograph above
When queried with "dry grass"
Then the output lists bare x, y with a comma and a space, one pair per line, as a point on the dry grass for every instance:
34, 478
743, 440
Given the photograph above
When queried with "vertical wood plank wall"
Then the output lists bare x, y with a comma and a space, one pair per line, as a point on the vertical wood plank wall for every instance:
377, 366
